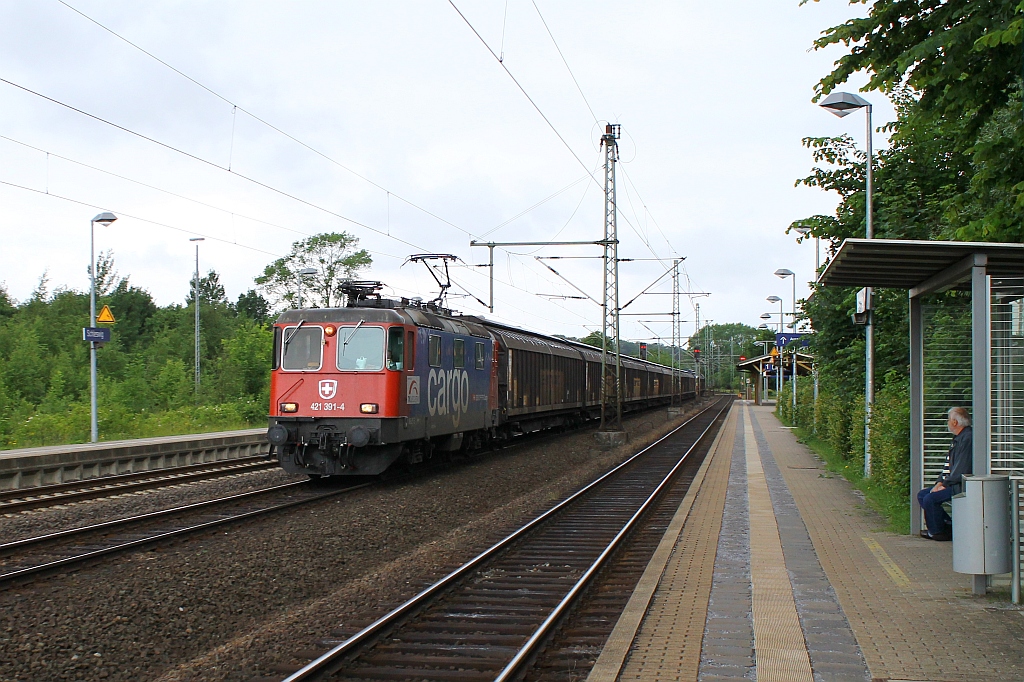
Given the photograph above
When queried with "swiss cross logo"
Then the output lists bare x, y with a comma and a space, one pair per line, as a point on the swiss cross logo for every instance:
328, 388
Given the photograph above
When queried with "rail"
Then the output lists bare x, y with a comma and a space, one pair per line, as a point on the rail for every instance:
335, 658
117, 544
22, 499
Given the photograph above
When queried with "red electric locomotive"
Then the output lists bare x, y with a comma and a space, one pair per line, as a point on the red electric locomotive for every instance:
355, 389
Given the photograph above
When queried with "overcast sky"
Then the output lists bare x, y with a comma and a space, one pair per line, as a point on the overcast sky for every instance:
420, 136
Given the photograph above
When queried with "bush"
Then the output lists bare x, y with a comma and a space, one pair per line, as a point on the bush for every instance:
890, 437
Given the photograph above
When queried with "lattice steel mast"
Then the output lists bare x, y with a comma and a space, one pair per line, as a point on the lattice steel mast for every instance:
611, 381
675, 331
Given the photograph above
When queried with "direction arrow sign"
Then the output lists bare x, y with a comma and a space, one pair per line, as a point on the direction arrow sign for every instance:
781, 340
105, 315
96, 334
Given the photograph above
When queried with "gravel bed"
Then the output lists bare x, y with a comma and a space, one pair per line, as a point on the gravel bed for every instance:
18, 525
235, 603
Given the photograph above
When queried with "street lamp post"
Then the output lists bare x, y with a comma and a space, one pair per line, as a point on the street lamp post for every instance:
842, 104
302, 273
784, 273
804, 232
195, 299
103, 219
778, 370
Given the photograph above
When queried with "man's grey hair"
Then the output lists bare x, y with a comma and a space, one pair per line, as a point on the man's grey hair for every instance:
960, 416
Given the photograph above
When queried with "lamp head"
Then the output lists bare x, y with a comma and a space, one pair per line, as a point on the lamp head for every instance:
804, 231
197, 239
762, 326
307, 271
844, 103
766, 316
783, 273
773, 299
105, 218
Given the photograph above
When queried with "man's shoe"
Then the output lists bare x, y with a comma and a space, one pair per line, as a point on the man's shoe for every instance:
942, 537
925, 535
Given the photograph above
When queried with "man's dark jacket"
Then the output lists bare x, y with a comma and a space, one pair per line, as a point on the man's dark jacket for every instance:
959, 460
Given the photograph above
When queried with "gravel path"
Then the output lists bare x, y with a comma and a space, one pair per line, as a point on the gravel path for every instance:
234, 604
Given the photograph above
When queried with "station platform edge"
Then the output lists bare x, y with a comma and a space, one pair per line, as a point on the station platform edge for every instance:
773, 568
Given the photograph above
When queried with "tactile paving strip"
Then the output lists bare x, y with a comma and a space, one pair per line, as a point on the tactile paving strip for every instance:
780, 652
928, 628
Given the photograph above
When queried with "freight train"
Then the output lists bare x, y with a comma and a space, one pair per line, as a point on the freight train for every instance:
356, 389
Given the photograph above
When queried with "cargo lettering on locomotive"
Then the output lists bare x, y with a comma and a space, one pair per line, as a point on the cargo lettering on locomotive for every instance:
448, 393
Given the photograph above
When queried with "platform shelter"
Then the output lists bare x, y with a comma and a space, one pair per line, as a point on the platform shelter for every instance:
966, 347
762, 369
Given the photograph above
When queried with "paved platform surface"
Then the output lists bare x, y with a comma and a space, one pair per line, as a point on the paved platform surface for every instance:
774, 569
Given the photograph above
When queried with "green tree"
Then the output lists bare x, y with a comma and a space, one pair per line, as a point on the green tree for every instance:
334, 258
133, 308
255, 307
959, 55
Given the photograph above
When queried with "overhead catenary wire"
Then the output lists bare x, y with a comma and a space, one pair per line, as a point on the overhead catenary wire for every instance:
135, 217
219, 167
167, 192
256, 117
525, 93
564, 61
235, 107
210, 163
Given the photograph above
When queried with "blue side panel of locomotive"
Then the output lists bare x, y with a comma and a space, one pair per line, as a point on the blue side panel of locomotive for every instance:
451, 398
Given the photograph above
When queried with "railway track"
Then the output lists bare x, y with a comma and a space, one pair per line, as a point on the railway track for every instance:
490, 619
35, 557
38, 497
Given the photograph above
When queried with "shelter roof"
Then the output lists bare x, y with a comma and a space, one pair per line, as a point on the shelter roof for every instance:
758, 364
905, 263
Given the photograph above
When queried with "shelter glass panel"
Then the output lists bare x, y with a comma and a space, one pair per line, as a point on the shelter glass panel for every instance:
947, 372
1007, 409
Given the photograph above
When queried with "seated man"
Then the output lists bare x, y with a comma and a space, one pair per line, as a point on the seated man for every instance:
959, 461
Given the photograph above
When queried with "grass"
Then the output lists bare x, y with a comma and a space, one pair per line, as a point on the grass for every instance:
895, 507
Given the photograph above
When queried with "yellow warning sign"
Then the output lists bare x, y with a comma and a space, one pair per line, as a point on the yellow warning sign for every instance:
773, 353
105, 315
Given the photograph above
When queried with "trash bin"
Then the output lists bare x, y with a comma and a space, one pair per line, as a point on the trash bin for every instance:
981, 526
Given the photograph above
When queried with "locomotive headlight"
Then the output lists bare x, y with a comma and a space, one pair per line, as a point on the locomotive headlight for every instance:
330, 330
368, 408
289, 407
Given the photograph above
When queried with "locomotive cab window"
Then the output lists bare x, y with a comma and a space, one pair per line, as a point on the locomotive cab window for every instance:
480, 355
303, 348
276, 361
460, 353
361, 349
396, 348
434, 351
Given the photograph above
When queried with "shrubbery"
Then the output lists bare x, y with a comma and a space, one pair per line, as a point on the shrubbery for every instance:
146, 380
838, 420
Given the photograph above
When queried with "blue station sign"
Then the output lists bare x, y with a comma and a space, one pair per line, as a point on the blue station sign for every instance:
96, 334
783, 340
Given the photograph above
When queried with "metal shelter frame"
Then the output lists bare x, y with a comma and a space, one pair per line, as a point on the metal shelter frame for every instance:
758, 366
928, 267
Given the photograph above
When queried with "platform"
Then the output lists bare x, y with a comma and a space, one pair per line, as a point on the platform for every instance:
774, 569
29, 467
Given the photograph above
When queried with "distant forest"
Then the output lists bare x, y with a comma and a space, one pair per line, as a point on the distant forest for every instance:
146, 376
146, 373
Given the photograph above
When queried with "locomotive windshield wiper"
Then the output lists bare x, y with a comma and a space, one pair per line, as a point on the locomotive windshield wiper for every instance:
288, 339
351, 334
